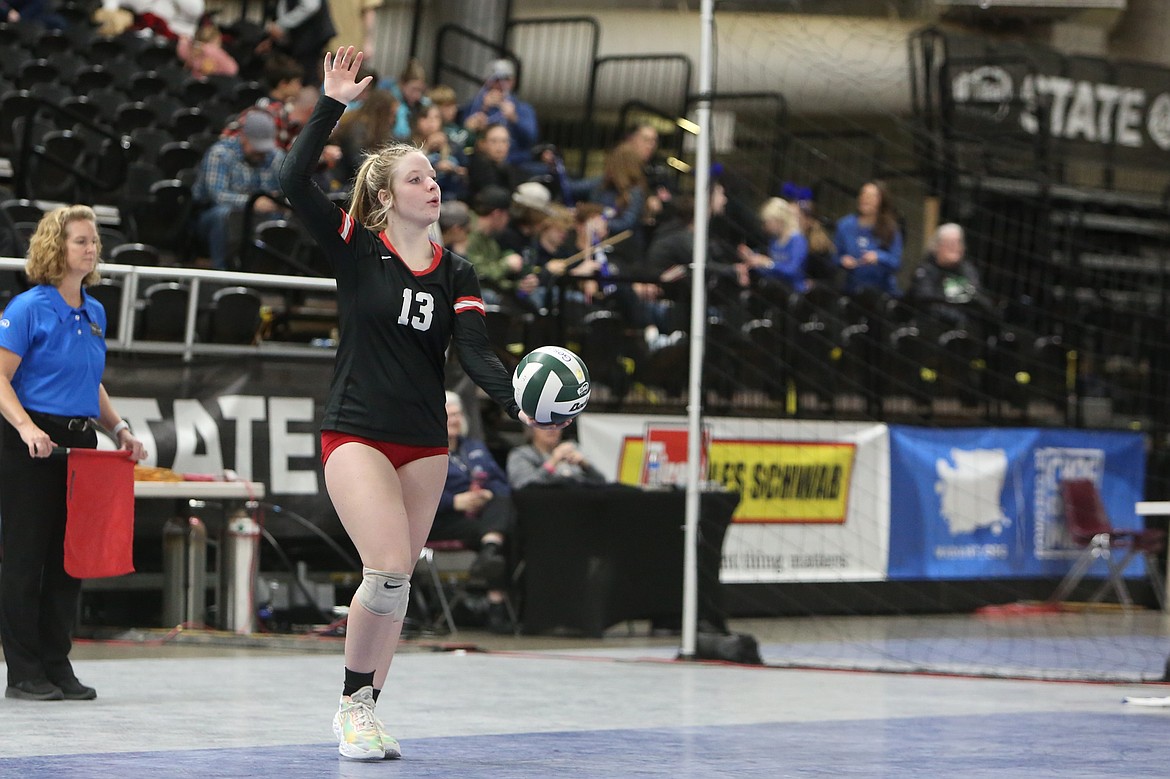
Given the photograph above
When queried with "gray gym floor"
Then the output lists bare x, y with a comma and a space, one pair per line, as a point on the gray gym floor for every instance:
622, 706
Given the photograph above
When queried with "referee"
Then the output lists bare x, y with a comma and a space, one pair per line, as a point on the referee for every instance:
52, 356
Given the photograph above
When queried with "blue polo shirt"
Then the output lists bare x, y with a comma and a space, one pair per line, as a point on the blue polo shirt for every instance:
62, 351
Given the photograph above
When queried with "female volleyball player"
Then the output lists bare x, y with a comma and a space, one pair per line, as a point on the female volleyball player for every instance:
401, 301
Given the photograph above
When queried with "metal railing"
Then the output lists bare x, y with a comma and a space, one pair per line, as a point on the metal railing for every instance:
195, 279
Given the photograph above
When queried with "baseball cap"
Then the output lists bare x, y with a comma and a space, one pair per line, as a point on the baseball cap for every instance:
532, 194
501, 68
259, 127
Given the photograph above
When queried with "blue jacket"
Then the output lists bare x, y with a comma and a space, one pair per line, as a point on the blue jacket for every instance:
524, 130
469, 455
853, 239
789, 258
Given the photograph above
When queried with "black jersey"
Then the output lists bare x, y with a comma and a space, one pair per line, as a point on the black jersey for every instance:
395, 324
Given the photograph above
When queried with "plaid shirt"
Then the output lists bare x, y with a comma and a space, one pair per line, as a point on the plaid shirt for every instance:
226, 178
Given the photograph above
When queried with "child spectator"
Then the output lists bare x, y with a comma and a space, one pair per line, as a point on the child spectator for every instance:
204, 54
427, 133
461, 139
787, 247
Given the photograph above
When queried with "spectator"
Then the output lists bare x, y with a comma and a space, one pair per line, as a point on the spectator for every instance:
488, 165
787, 247
427, 134
869, 242
204, 54
477, 509
110, 22
738, 221
283, 77
172, 19
501, 272
947, 286
366, 127
671, 253
410, 91
530, 207
622, 191
582, 256
550, 248
301, 29
233, 172
642, 139
31, 12
821, 266
547, 459
455, 226
494, 103
461, 139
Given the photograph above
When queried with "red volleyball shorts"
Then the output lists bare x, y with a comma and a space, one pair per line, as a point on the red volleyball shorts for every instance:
398, 454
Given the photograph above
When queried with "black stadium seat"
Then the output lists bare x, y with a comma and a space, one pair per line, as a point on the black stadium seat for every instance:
134, 254
164, 313
235, 316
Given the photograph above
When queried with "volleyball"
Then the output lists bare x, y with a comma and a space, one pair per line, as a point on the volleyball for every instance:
551, 384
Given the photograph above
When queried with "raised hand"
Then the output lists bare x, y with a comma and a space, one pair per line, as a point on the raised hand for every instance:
341, 71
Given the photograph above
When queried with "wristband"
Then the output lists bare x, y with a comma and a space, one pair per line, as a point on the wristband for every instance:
118, 428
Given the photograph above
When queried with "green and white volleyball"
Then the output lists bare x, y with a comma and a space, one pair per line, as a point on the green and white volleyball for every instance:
551, 384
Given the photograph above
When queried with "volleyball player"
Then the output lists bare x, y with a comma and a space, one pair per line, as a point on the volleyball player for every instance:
401, 301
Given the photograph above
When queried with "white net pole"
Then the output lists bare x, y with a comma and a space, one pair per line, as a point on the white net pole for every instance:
698, 335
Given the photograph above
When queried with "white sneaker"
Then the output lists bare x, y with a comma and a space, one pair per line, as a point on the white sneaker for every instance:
389, 744
358, 732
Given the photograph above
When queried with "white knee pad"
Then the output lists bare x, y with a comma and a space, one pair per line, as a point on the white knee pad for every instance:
384, 593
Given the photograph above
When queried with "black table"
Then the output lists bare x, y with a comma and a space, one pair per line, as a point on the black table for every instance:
596, 556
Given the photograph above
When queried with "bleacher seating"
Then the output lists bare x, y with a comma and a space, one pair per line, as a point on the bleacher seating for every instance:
803, 352
87, 91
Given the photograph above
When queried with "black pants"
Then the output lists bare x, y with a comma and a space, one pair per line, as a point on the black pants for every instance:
38, 600
499, 516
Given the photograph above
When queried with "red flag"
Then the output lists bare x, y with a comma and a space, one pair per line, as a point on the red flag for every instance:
99, 531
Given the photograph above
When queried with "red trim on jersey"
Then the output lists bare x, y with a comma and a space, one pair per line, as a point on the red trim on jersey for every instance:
437, 254
470, 303
346, 229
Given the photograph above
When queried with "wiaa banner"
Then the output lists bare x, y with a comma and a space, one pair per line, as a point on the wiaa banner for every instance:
985, 503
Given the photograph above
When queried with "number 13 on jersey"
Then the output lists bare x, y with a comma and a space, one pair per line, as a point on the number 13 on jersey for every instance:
418, 308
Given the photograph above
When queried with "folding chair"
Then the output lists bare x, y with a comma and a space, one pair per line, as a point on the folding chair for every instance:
1088, 524
453, 577
427, 556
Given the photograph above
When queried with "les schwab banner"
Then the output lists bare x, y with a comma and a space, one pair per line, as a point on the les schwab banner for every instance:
814, 496
777, 481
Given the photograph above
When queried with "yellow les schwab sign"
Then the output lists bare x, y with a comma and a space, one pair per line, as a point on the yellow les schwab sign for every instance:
777, 481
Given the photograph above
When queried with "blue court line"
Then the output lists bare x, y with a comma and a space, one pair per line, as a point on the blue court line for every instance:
1038, 745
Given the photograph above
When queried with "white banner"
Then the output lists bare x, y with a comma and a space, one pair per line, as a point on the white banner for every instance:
814, 496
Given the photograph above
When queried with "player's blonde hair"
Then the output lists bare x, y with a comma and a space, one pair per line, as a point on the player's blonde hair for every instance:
375, 174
